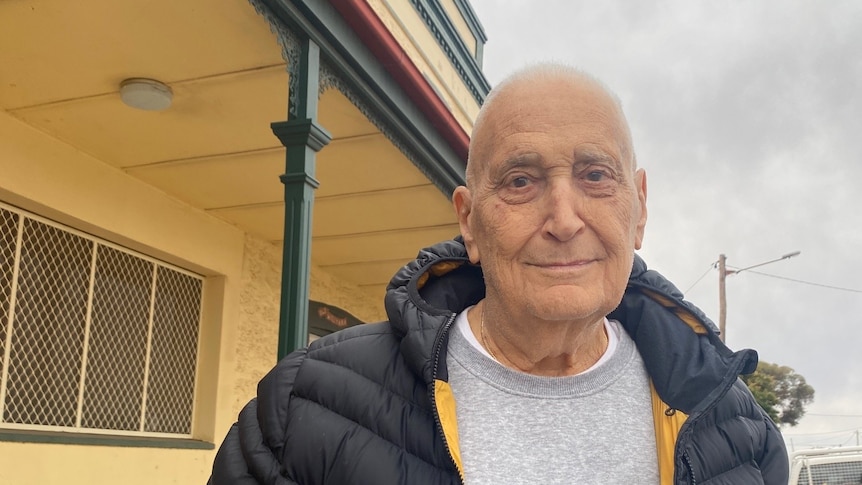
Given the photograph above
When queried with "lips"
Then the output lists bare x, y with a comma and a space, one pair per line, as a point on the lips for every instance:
565, 264
563, 260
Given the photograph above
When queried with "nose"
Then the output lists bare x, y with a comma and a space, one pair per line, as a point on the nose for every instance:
563, 208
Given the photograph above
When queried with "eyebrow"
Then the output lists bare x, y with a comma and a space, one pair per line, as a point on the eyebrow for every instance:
520, 160
589, 155
583, 157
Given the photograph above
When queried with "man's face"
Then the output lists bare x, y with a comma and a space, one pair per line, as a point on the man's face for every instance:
555, 210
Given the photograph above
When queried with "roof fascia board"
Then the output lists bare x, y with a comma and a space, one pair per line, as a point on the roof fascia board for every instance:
466, 65
476, 27
472, 20
443, 157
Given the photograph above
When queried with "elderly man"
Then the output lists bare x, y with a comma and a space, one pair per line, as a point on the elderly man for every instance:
535, 348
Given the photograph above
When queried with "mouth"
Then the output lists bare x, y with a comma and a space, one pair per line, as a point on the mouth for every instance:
565, 265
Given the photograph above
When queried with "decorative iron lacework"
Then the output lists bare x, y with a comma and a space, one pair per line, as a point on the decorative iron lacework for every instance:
93, 337
328, 78
290, 50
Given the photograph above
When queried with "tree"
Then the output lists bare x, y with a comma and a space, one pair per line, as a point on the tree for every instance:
780, 391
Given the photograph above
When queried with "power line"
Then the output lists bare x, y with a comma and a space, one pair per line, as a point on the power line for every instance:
829, 438
850, 438
839, 288
711, 267
835, 415
850, 430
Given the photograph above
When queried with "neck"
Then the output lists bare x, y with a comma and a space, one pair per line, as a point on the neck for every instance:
539, 347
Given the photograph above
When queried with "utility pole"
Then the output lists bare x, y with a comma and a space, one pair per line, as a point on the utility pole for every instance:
722, 296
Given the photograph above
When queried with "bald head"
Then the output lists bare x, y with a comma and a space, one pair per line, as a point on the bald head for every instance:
545, 80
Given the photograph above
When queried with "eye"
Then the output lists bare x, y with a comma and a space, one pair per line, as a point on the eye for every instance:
598, 180
519, 188
596, 176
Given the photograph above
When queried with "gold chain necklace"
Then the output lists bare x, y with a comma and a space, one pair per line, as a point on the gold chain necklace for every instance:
484, 338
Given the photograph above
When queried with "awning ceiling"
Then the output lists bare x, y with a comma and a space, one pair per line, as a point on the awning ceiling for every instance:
61, 64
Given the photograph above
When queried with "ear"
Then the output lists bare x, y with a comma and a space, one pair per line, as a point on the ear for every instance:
462, 201
641, 184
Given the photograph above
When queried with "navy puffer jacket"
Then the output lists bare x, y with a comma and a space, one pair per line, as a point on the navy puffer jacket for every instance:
371, 404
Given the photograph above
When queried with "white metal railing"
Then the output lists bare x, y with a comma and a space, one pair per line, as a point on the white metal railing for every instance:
826, 466
93, 337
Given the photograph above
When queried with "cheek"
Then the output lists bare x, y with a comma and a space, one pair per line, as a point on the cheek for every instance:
623, 223
501, 235
488, 222
611, 222
506, 229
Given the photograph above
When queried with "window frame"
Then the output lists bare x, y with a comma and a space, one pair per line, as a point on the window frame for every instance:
27, 432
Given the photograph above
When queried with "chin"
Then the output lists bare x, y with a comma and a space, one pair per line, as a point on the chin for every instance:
569, 304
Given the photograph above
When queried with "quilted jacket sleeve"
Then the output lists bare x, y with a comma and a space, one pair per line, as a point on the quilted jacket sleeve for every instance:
774, 463
250, 452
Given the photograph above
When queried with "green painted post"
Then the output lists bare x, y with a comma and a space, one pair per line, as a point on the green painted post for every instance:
303, 138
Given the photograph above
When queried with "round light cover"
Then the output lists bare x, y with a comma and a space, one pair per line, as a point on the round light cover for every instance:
146, 94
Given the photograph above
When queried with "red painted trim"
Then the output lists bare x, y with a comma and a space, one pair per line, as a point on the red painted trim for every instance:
374, 34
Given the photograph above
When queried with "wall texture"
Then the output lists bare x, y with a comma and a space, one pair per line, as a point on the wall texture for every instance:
259, 304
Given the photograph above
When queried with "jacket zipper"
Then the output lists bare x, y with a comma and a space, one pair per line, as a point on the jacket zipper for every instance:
438, 346
691, 477
689, 422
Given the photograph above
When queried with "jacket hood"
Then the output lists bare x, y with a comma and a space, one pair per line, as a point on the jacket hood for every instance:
680, 346
425, 294
684, 356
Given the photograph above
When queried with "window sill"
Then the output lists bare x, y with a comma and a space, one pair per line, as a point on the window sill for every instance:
54, 437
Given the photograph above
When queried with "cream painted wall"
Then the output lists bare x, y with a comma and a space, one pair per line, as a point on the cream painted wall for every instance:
259, 304
47, 177
48, 464
257, 326
413, 35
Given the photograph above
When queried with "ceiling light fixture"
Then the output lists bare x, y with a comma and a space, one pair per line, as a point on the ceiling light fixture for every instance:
146, 94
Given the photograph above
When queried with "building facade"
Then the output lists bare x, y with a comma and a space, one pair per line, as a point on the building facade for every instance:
178, 180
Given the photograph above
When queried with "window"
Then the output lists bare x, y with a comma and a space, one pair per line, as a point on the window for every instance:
93, 337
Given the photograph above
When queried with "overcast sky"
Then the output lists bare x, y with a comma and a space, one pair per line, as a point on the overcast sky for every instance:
747, 117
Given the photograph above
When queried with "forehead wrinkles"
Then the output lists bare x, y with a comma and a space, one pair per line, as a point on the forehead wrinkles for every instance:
526, 109
597, 139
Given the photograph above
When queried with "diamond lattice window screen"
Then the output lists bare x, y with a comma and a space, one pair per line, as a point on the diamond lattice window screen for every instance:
172, 376
93, 337
47, 327
117, 353
8, 237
